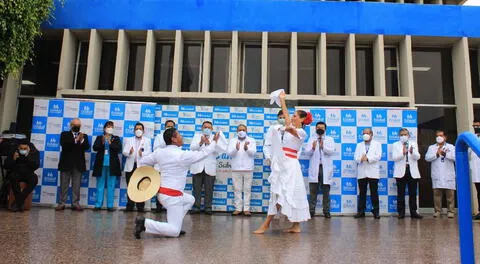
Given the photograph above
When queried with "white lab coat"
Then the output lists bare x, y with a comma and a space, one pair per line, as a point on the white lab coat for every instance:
474, 167
325, 155
159, 142
400, 160
242, 160
128, 143
443, 172
208, 164
371, 168
267, 144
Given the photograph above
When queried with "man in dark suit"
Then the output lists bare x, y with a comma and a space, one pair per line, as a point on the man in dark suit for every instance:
72, 163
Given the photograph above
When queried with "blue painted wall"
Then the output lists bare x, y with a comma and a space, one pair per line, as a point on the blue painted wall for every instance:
270, 15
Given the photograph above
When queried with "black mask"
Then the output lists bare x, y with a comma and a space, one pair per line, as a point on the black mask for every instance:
76, 129
477, 130
320, 131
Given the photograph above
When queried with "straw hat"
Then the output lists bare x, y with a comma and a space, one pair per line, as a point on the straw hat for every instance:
144, 184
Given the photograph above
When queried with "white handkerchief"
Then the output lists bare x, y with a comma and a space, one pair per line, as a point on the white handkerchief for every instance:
275, 97
222, 143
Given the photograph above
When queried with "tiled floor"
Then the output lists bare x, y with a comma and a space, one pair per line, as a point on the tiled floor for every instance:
45, 236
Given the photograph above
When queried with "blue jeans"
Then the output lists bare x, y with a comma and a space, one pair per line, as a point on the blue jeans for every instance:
111, 180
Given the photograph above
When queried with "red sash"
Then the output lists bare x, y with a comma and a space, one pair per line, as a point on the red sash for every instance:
291, 153
169, 192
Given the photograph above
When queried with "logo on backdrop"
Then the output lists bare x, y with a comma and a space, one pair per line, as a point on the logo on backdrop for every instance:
86, 110
117, 111
318, 115
349, 118
55, 108
49, 177
393, 134
39, 124
380, 134
52, 143
364, 118
98, 126
349, 168
348, 151
333, 117
349, 135
349, 186
335, 133
394, 118
379, 118
409, 118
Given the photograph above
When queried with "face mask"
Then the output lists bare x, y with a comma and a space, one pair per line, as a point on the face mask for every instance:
207, 131
477, 130
168, 128
138, 133
440, 140
109, 130
366, 137
281, 121
76, 129
23, 152
320, 131
403, 139
242, 134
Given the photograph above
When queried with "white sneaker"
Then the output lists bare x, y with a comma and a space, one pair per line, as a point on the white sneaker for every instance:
436, 214
450, 215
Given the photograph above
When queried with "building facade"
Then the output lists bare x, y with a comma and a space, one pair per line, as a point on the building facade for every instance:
422, 54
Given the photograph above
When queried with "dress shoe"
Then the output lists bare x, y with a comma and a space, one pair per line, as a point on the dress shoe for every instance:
416, 216
436, 214
312, 214
128, 209
359, 215
327, 215
195, 211
139, 226
208, 212
60, 207
182, 233
15, 208
247, 213
376, 216
77, 208
235, 213
401, 216
450, 215
476, 217
111, 209
141, 210
96, 209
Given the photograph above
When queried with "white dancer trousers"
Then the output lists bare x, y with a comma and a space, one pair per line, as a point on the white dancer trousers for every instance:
242, 181
177, 207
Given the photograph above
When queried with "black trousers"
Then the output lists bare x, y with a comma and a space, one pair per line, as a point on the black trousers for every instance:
207, 181
477, 186
407, 180
314, 188
21, 195
362, 200
130, 203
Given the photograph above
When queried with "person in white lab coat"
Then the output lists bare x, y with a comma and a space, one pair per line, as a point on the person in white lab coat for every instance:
320, 149
133, 149
475, 169
242, 149
159, 143
173, 163
367, 155
405, 170
267, 143
204, 171
442, 158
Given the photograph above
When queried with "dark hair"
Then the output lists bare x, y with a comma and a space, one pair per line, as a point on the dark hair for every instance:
476, 120
302, 113
168, 134
108, 123
403, 129
280, 113
321, 123
441, 131
170, 121
207, 122
139, 124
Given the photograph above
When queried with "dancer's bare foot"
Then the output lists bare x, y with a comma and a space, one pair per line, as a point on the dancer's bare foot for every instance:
261, 230
294, 229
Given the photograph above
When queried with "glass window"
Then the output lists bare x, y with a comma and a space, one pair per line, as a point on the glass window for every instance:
278, 67
162, 80
433, 76
252, 68
107, 66
429, 120
40, 76
136, 64
220, 68
81, 66
335, 71
307, 69
364, 63
192, 65
474, 72
391, 71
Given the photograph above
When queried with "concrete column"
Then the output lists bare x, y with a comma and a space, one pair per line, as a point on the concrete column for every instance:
462, 83
400, 1
350, 66
177, 63
379, 67
420, 2
322, 65
149, 67
93, 61
207, 51
264, 63
234, 64
406, 70
68, 57
9, 101
121, 64
439, 2
294, 64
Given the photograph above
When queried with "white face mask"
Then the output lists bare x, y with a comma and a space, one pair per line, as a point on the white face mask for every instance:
109, 130
242, 134
366, 137
281, 121
403, 139
23, 152
138, 133
207, 131
440, 139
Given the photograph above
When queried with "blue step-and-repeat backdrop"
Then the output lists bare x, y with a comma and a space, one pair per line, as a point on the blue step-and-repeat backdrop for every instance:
51, 117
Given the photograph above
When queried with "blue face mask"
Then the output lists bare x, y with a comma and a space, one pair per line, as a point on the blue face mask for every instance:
207, 131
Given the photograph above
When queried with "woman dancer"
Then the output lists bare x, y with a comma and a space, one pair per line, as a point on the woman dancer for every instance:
288, 195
